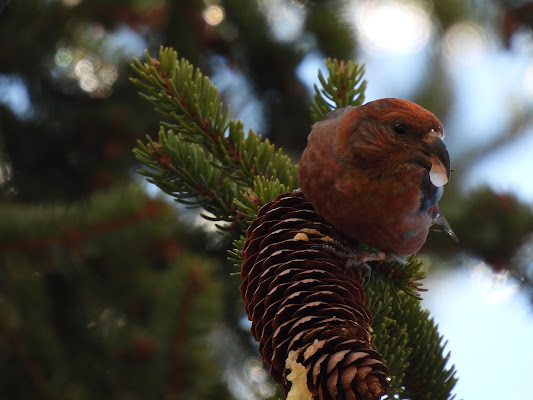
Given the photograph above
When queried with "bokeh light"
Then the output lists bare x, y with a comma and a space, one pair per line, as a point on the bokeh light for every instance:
63, 57
391, 26
83, 68
93, 75
108, 74
286, 18
213, 14
71, 3
495, 287
258, 377
88, 83
465, 43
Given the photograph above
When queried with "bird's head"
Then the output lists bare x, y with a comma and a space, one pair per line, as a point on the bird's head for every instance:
393, 135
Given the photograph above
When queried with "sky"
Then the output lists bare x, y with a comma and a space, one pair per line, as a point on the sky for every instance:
487, 323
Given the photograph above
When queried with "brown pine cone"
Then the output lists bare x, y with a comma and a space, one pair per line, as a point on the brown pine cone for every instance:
308, 312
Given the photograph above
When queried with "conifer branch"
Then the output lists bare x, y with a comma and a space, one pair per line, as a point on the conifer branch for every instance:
202, 158
390, 336
406, 335
405, 277
70, 228
187, 172
344, 87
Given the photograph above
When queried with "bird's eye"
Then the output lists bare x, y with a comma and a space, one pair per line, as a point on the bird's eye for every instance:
400, 128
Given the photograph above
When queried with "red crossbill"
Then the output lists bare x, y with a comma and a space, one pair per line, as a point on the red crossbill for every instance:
376, 173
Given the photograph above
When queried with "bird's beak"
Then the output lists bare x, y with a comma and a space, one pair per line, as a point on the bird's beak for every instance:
434, 157
439, 157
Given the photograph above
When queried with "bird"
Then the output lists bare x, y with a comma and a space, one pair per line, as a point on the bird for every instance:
376, 173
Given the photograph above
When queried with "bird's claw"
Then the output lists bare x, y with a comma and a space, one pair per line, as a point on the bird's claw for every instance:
364, 269
355, 258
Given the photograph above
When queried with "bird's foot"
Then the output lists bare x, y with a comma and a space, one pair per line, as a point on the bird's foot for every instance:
355, 258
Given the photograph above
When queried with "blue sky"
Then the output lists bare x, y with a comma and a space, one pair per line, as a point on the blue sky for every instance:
487, 323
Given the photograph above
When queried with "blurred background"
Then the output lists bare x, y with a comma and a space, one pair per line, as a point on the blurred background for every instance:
108, 290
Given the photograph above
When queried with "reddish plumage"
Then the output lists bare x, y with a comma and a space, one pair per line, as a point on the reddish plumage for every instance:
366, 170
